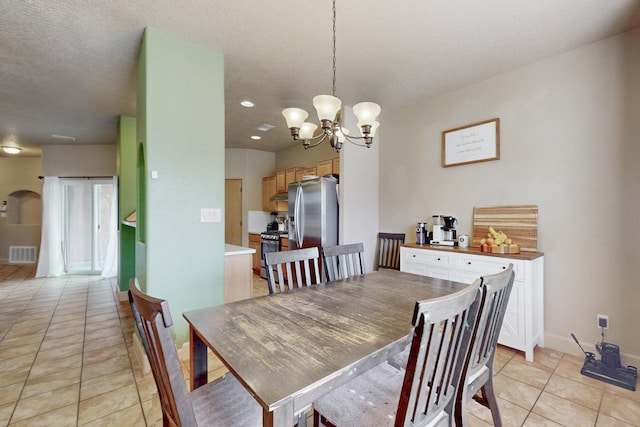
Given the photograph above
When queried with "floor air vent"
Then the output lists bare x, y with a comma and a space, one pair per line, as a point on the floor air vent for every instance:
22, 254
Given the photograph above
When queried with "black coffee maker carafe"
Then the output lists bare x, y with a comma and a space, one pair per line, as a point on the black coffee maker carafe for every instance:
450, 228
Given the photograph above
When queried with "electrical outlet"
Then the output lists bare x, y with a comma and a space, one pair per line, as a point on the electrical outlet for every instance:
603, 321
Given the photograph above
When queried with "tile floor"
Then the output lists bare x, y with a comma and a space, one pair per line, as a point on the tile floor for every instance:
66, 360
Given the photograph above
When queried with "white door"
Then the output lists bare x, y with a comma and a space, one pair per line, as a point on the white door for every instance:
86, 217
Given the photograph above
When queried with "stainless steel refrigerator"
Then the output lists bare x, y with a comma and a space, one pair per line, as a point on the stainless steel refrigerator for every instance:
313, 213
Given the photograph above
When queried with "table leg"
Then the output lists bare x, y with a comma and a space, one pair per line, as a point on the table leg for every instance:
282, 416
197, 360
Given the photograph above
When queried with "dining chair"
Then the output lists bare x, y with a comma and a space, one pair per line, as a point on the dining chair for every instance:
388, 250
424, 393
223, 402
295, 269
342, 261
477, 376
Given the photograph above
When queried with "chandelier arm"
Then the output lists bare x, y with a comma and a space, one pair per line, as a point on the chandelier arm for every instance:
352, 139
322, 137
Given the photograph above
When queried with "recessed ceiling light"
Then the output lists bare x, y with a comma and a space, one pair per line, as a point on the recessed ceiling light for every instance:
265, 127
247, 104
64, 137
11, 150
256, 137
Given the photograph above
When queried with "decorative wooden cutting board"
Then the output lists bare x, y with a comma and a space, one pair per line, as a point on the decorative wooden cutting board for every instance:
518, 222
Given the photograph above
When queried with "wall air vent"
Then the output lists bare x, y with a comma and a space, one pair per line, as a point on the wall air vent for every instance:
22, 254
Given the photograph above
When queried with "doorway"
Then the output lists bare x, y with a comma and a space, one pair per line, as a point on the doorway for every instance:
233, 211
86, 216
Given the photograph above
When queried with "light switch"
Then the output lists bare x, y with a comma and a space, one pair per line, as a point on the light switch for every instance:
210, 215
154, 174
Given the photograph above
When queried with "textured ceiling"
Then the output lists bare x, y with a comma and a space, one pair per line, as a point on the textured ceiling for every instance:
67, 67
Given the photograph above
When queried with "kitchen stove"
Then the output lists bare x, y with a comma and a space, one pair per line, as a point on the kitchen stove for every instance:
270, 241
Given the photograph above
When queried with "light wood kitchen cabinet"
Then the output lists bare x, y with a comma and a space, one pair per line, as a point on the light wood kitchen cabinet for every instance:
281, 181
254, 243
268, 190
523, 325
238, 277
336, 165
328, 167
292, 174
305, 172
324, 167
284, 243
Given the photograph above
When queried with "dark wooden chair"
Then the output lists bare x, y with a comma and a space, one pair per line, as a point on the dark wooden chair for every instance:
293, 269
224, 402
388, 250
477, 376
424, 393
343, 261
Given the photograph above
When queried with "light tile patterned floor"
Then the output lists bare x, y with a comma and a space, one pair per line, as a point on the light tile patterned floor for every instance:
66, 360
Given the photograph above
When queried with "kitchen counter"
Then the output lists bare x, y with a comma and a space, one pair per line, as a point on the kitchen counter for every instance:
230, 250
474, 251
238, 273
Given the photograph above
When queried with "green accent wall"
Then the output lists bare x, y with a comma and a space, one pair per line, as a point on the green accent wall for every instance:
180, 113
127, 197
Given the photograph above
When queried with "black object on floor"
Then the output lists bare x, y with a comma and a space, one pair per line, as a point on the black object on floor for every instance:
608, 369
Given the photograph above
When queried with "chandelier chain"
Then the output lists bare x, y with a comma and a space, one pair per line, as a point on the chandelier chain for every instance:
334, 47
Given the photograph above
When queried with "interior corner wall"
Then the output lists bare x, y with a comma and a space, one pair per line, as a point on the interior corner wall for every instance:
184, 171
126, 198
569, 143
250, 166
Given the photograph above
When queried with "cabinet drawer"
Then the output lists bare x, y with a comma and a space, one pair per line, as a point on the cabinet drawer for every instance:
427, 257
427, 270
489, 265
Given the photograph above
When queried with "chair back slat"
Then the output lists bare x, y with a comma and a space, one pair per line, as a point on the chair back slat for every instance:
343, 261
496, 291
300, 265
156, 322
441, 338
388, 250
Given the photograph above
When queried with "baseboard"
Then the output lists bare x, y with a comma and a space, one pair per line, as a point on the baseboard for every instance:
141, 356
183, 352
568, 345
120, 295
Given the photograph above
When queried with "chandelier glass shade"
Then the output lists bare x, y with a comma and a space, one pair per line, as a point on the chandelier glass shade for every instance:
328, 108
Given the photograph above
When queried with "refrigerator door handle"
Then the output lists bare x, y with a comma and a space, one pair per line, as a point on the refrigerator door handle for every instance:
299, 216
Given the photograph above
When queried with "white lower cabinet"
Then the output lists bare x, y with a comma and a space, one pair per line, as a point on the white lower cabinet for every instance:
523, 325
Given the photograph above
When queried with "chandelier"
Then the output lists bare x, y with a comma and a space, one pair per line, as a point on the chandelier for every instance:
328, 108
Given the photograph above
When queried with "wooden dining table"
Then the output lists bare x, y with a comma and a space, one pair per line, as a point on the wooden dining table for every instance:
289, 349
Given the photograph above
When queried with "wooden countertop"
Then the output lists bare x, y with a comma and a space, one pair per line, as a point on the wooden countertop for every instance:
475, 251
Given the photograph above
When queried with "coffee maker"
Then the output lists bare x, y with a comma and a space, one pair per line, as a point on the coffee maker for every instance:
450, 228
443, 230
437, 232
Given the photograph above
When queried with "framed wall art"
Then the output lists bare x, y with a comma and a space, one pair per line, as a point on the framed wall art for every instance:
478, 142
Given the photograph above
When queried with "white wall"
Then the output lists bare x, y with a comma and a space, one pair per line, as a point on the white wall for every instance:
569, 132
79, 160
358, 184
250, 166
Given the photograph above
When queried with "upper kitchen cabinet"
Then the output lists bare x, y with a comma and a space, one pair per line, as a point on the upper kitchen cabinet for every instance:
328, 167
268, 190
269, 187
291, 175
305, 172
281, 181
324, 167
